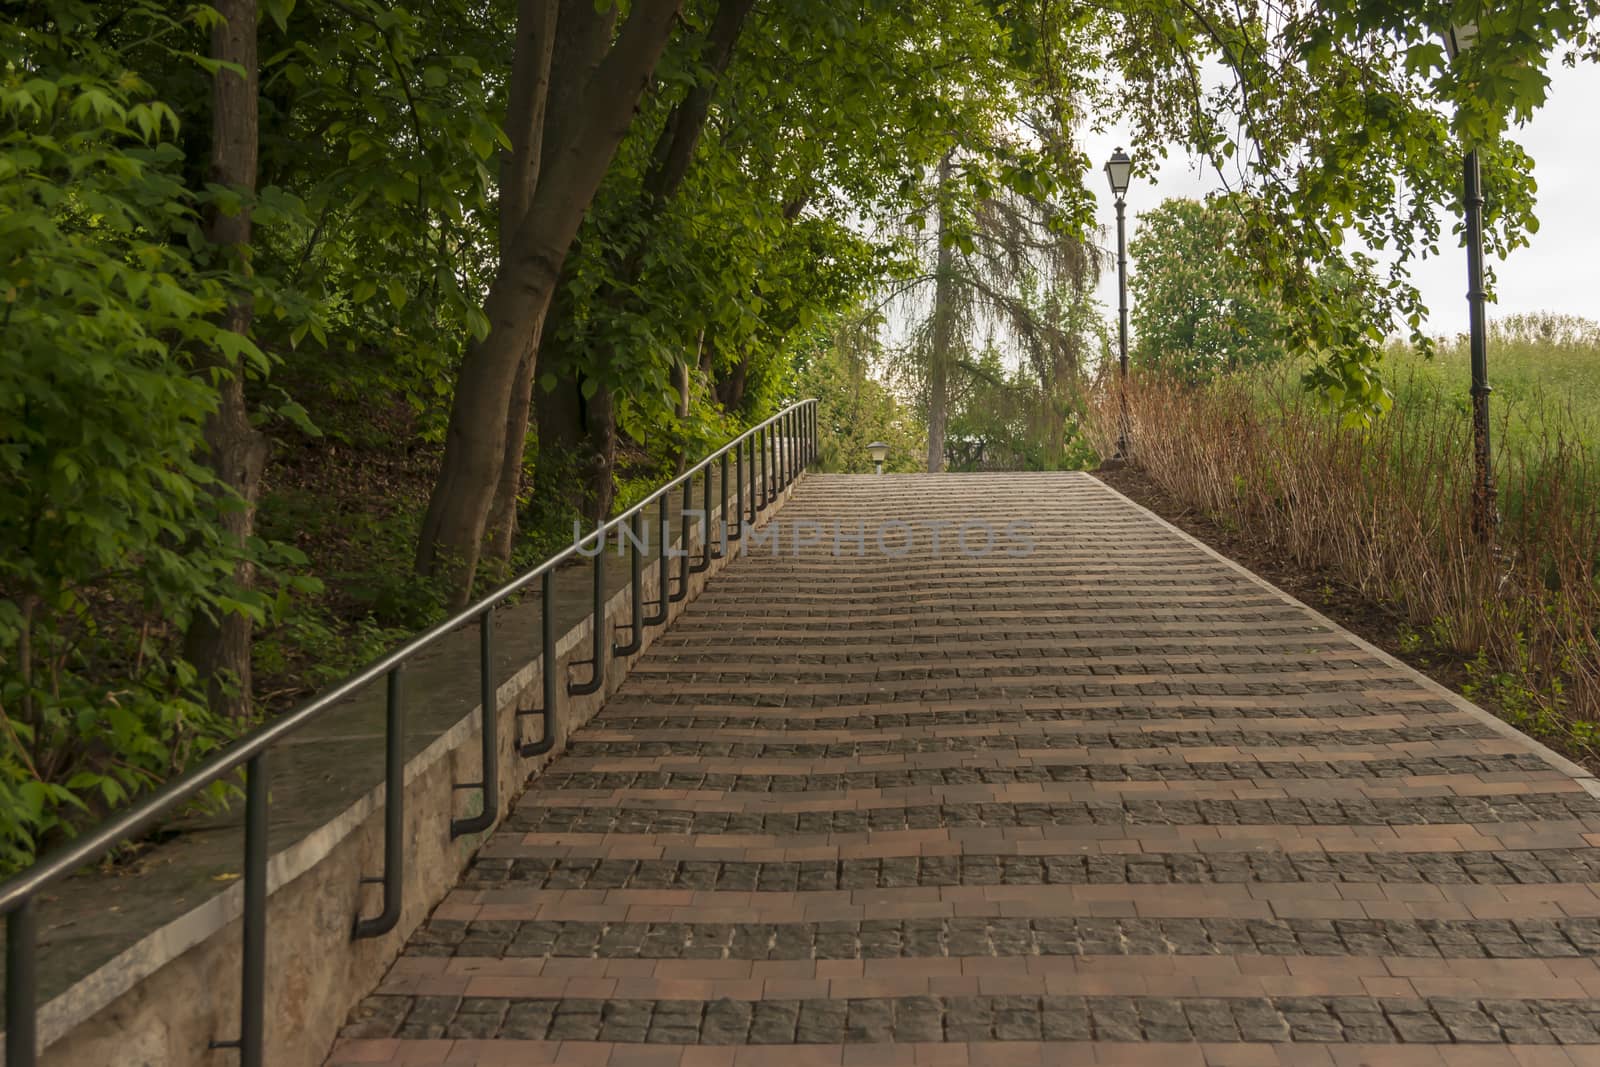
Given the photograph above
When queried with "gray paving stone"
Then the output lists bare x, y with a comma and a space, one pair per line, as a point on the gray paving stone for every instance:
1083, 672
1410, 811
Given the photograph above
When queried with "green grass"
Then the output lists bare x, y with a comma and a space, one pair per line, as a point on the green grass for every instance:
1544, 369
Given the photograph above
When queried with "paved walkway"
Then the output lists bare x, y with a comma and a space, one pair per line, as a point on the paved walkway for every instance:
1113, 800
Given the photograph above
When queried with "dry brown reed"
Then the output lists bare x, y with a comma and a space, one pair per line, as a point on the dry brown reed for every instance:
1386, 507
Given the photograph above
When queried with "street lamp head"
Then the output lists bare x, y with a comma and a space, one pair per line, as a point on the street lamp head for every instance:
879, 452
1119, 172
1460, 37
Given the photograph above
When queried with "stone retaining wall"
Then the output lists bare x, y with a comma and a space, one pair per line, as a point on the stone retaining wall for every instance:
164, 1001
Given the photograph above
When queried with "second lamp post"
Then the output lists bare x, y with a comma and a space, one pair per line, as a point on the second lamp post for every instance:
879, 452
1457, 39
1119, 171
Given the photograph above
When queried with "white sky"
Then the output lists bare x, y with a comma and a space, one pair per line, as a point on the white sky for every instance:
1558, 271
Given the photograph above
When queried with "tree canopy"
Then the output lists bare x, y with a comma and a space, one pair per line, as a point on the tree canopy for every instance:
1196, 309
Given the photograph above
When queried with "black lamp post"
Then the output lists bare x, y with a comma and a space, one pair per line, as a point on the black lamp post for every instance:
1457, 39
1119, 171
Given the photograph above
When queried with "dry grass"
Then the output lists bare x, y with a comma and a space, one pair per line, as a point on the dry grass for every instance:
1387, 508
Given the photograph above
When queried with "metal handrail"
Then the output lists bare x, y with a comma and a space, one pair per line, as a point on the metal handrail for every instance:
18, 895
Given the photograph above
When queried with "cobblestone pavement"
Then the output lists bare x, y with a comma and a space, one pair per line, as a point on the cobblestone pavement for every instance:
1111, 800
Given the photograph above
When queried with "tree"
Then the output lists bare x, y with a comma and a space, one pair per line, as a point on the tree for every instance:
1010, 266
941, 327
177, 219
123, 323
573, 93
693, 285
840, 364
1197, 308
218, 642
580, 414
1344, 124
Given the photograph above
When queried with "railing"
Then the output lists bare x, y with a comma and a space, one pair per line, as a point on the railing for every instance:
788, 440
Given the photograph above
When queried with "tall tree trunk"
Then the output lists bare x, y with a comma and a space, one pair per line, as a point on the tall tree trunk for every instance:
519, 177
571, 169
670, 158
219, 648
599, 456
730, 389
943, 330
502, 526
559, 416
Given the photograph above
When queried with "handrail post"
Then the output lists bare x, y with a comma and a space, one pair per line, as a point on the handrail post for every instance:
752, 476
656, 618
766, 486
253, 962
253, 1009
489, 735
722, 512
738, 489
704, 561
547, 672
394, 817
635, 589
597, 653
22, 1022
780, 448
683, 527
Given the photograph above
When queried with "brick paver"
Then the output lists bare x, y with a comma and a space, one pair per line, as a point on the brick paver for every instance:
1098, 798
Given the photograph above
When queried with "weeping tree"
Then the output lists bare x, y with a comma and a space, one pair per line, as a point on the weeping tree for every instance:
1006, 271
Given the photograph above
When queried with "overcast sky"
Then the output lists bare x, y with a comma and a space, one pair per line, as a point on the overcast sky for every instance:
1558, 271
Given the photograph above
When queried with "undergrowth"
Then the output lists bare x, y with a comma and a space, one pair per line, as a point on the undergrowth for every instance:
1386, 508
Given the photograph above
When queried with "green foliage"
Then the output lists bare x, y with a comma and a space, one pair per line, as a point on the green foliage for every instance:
1544, 367
1346, 124
764, 240
378, 143
1004, 419
372, 237
1529, 698
855, 408
1196, 306
109, 526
